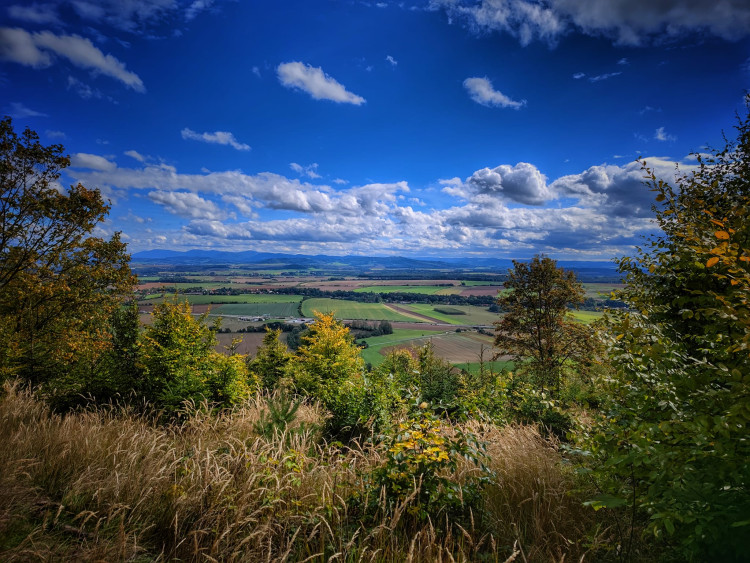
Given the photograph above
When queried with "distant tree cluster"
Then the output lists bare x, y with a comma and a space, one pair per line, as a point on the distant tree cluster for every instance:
391, 297
274, 325
363, 329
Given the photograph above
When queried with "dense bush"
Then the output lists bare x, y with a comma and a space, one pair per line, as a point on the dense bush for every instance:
180, 363
423, 455
673, 436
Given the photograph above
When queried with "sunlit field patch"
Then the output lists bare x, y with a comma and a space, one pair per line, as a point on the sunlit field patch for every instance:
351, 310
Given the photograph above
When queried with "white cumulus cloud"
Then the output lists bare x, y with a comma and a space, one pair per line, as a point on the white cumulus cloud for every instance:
38, 50
91, 162
618, 190
186, 204
217, 138
481, 91
316, 83
522, 183
510, 209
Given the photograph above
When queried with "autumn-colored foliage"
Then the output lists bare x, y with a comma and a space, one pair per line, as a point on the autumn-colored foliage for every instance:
180, 363
673, 437
310, 455
59, 284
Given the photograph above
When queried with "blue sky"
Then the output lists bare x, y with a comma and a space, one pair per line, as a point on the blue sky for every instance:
498, 128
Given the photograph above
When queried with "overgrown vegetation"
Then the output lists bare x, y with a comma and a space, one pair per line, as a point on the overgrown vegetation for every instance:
672, 439
625, 440
109, 484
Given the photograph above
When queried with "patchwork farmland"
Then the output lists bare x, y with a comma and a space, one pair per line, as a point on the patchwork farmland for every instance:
414, 323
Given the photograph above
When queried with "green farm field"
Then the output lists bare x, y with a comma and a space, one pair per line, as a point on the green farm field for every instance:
454, 347
472, 315
421, 289
401, 338
587, 317
351, 310
601, 290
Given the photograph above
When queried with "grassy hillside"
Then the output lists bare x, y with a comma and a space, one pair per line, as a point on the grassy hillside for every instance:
110, 485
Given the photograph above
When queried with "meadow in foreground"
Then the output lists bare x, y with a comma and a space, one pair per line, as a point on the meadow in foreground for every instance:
113, 485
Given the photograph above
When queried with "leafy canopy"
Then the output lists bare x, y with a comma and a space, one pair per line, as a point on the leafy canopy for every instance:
535, 330
58, 283
674, 436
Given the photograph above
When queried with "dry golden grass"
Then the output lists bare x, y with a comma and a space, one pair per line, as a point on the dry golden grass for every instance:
109, 485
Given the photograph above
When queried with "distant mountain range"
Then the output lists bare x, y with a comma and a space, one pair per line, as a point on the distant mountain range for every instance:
299, 261
369, 264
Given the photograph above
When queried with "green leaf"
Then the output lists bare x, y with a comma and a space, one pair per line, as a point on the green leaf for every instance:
669, 526
605, 501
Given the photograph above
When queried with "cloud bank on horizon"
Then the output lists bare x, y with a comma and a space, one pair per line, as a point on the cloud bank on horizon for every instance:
505, 208
493, 128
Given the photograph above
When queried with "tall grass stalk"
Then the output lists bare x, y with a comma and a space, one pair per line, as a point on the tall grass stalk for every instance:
110, 484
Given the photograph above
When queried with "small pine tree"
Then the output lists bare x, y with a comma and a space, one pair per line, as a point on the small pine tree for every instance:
270, 361
180, 362
278, 419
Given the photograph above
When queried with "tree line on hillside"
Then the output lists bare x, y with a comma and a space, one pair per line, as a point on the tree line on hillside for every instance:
653, 404
488, 301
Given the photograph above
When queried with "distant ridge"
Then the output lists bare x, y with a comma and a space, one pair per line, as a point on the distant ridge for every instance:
247, 257
363, 264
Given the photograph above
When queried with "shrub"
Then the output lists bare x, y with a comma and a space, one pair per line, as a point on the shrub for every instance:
180, 364
526, 404
418, 474
672, 443
270, 361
